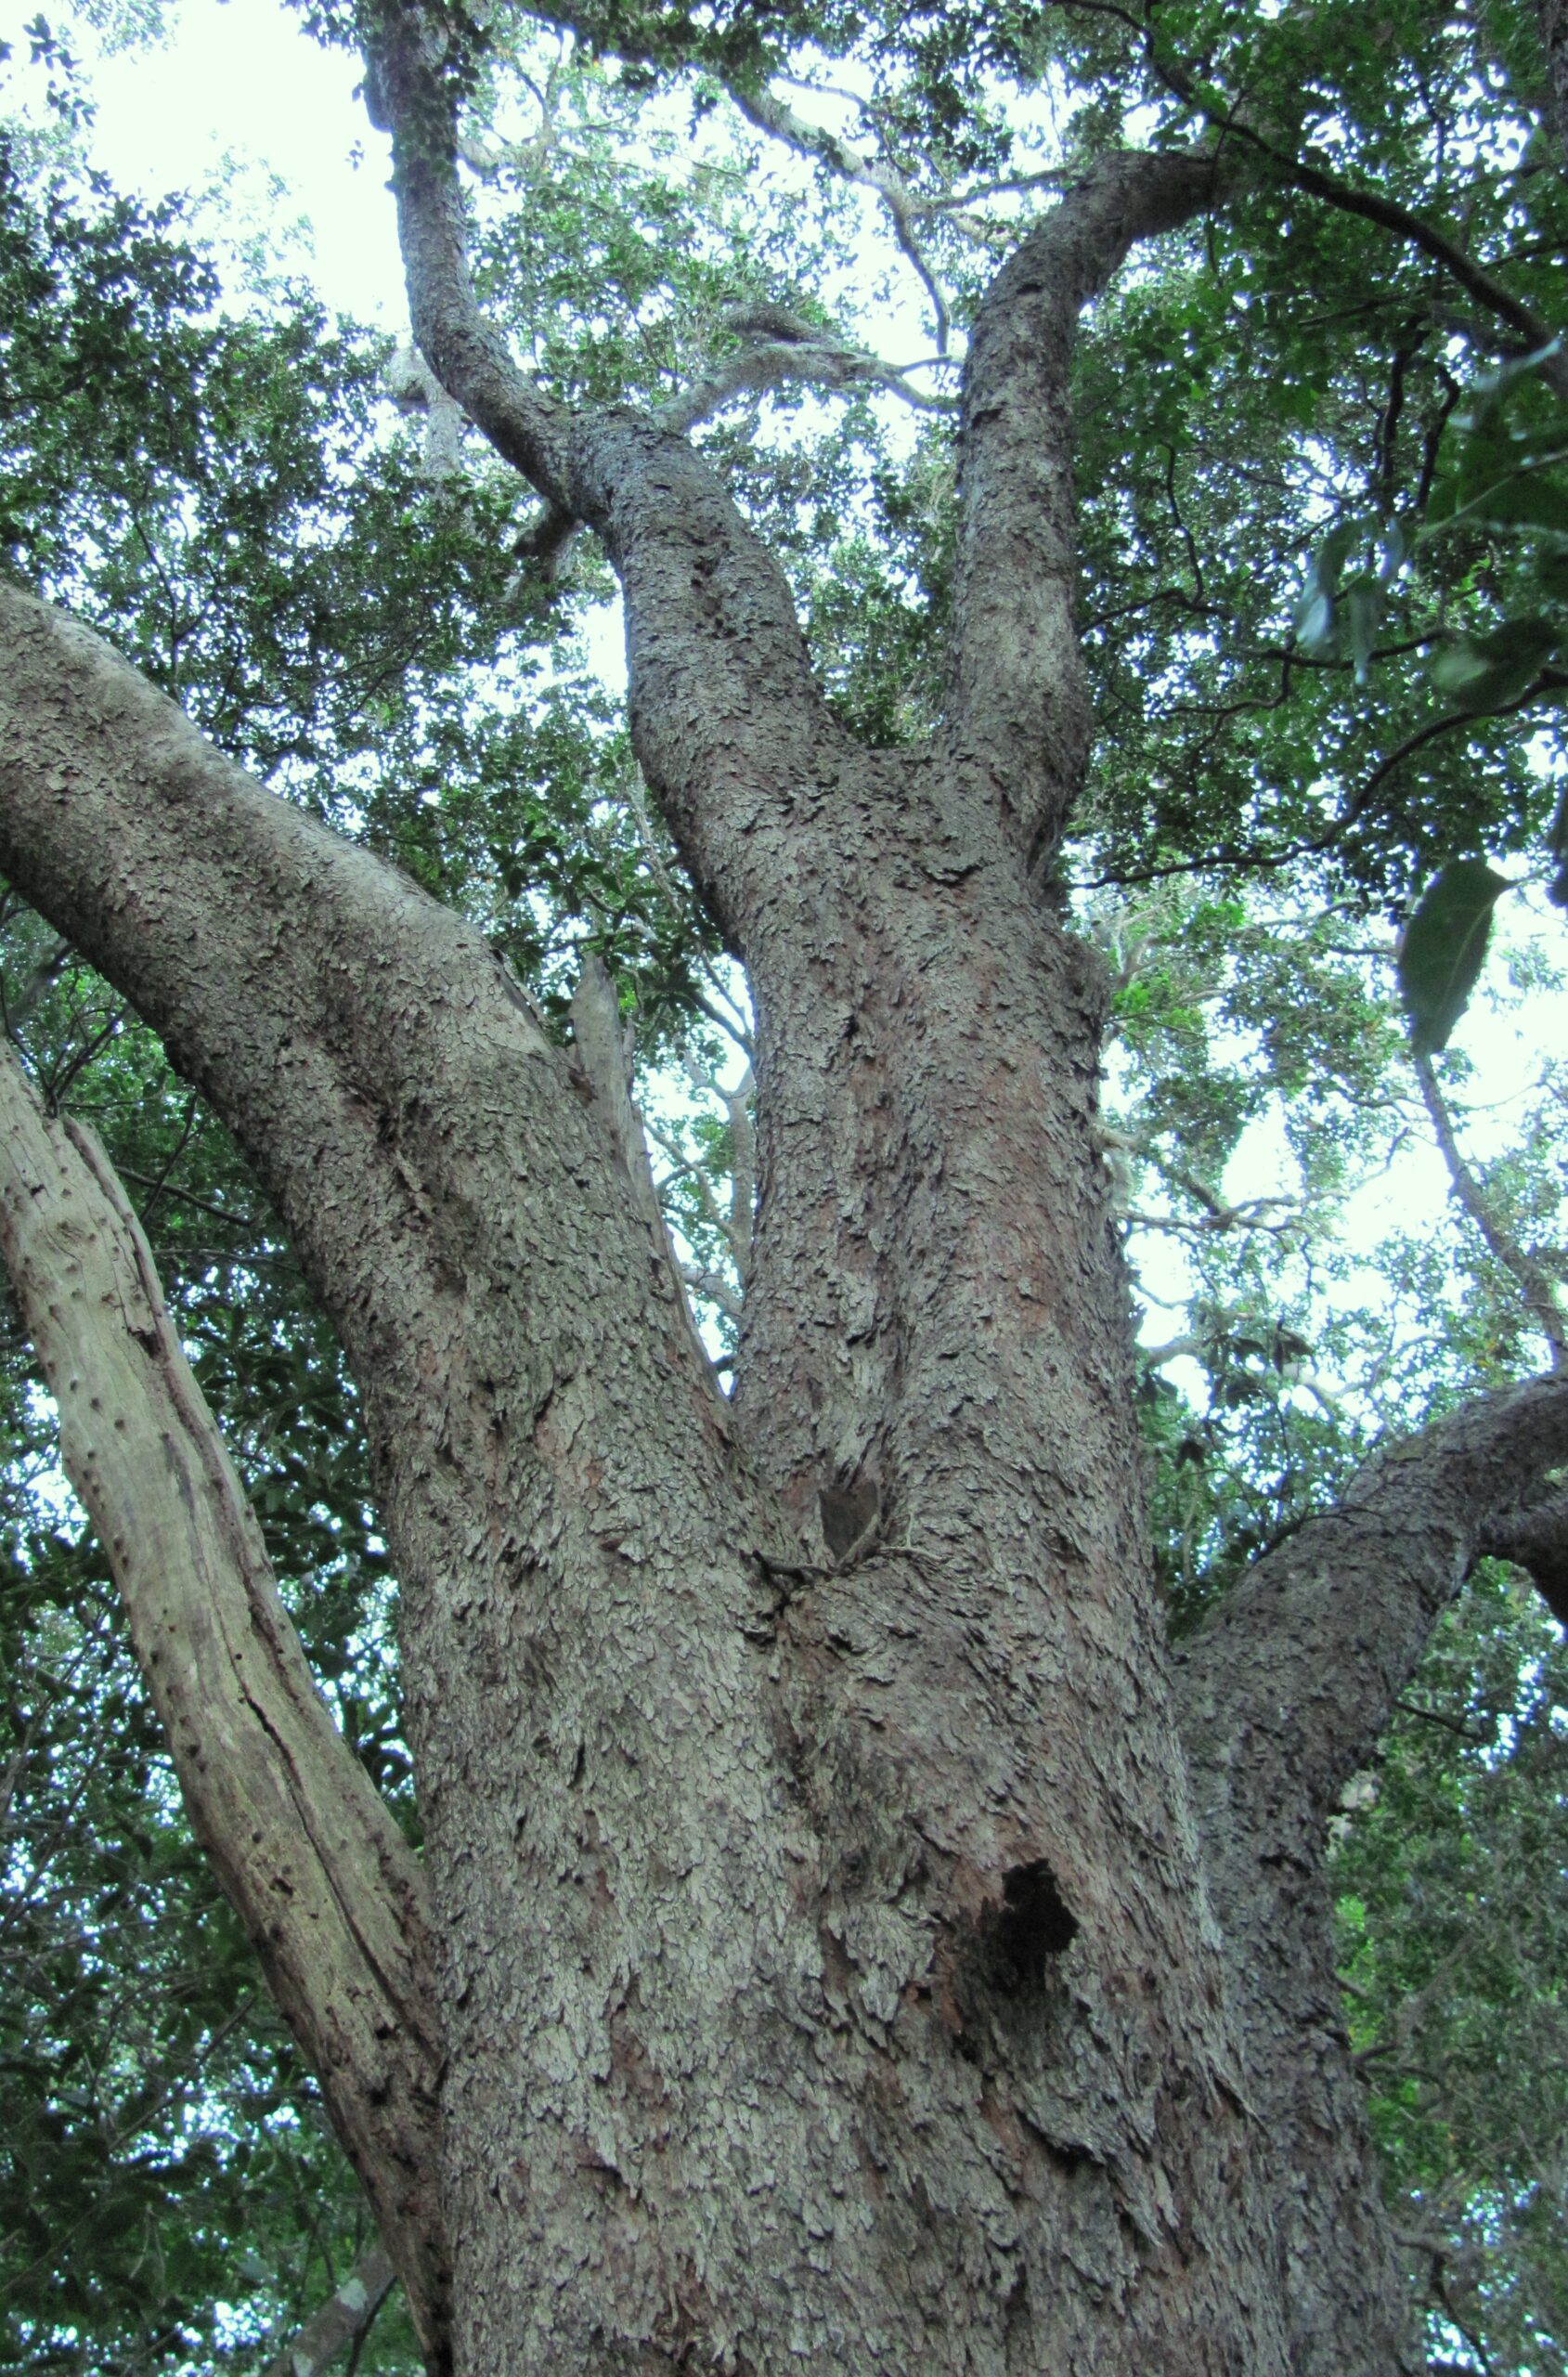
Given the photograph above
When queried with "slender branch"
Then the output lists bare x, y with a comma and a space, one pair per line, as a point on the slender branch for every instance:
815, 359
731, 1026
1448, 1724
324, 1883
1199, 593
540, 551
161, 1188
1216, 1212
1248, 1215
1533, 1285
734, 1223
723, 704
1370, 206
770, 113
341, 2323
601, 1046
1373, 207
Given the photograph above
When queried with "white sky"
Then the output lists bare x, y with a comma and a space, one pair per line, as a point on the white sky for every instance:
241, 81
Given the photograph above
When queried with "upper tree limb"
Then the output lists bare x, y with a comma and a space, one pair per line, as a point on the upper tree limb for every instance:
311, 991
724, 707
1018, 713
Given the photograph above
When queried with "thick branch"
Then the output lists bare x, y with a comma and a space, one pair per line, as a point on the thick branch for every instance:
1019, 715
315, 996
241, 931
324, 1883
408, 93
1281, 1698
1289, 1685
588, 1573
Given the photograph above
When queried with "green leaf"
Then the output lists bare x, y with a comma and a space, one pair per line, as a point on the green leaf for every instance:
1518, 367
1527, 500
1332, 555
1485, 672
1315, 613
1399, 543
1363, 605
1314, 623
1444, 947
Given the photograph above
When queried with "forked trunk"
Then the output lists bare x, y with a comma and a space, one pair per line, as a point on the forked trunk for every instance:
833, 1975
826, 1969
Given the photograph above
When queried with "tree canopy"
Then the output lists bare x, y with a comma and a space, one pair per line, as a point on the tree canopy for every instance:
1321, 587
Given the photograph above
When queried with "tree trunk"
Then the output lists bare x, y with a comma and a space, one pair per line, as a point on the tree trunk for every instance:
828, 1964
851, 1950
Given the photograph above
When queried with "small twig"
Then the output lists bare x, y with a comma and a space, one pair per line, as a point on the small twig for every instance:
769, 114
158, 1187
1450, 1724
186, 1196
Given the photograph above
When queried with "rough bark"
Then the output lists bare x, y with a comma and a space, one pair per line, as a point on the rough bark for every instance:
934, 1354
324, 1883
1283, 1696
1018, 712
801, 1979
